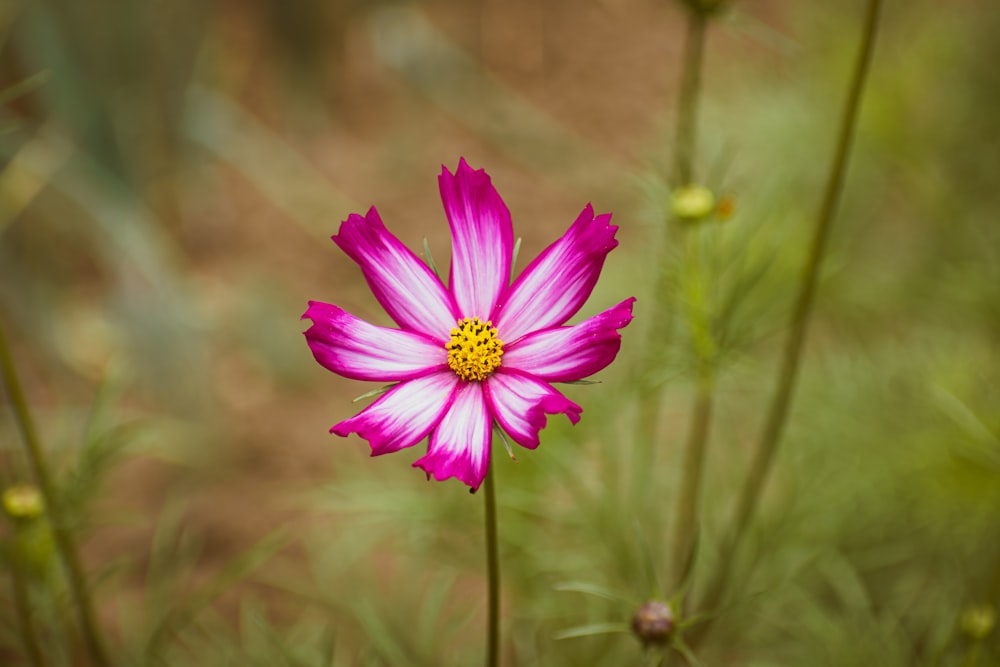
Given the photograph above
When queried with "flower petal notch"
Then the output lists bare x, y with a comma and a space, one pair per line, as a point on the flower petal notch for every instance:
478, 353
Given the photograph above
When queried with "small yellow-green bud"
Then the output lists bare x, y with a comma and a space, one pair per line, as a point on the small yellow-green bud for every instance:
23, 501
978, 621
692, 202
653, 623
31, 544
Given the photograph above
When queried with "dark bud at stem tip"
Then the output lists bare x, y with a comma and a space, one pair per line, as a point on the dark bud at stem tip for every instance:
653, 623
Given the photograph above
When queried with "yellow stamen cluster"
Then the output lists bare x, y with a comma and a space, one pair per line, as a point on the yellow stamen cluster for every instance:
474, 350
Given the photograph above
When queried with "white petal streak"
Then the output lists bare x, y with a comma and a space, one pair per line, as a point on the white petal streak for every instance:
566, 354
409, 291
557, 283
520, 402
403, 416
460, 445
482, 239
351, 347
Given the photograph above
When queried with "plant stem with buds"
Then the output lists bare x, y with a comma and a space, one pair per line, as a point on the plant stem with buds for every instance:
686, 520
688, 505
63, 536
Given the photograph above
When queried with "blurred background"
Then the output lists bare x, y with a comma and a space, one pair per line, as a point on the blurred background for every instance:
172, 172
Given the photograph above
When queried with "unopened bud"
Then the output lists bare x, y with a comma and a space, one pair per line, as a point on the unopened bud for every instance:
978, 621
692, 202
653, 623
23, 501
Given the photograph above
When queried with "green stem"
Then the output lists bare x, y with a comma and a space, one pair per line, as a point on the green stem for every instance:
789, 368
24, 620
63, 536
686, 522
686, 527
687, 104
493, 574
971, 656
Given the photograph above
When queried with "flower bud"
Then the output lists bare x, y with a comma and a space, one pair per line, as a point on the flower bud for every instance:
653, 623
692, 203
978, 621
23, 501
31, 546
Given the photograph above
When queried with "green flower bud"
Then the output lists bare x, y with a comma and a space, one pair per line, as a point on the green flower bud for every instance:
978, 621
31, 545
653, 623
692, 202
23, 501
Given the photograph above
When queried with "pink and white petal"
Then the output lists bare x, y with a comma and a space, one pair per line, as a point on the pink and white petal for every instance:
519, 403
409, 291
404, 415
557, 283
482, 239
460, 445
565, 354
351, 347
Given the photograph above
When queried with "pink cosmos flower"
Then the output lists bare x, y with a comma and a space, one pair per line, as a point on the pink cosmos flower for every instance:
479, 352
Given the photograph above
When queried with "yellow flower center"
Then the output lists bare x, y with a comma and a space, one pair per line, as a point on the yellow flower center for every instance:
474, 350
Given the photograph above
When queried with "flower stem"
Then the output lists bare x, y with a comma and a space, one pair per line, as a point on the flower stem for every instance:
789, 367
686, 522
686, 526
63, 536
687, 104
493, 574
26, 624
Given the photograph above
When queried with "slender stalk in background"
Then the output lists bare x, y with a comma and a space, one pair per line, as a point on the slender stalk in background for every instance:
26, 624
790, 362
493, 573
686, 520
61, 532
687, 103
688, 504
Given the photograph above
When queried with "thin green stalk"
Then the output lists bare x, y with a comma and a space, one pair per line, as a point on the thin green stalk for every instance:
686, 526
24, 621
687, 104
688, 505
689, 501
493, 574
789, 367
63, 536
994, 591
